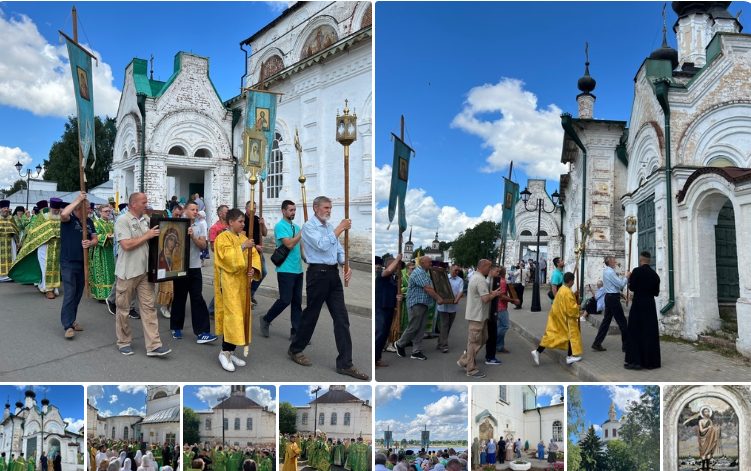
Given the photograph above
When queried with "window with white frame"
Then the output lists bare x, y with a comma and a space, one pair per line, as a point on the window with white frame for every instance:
558, 431
503, 394
274, 172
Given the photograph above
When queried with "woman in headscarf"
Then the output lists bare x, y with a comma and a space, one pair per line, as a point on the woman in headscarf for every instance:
121, 459
139, 456
126, 465
552, 451
57, 463
114, 465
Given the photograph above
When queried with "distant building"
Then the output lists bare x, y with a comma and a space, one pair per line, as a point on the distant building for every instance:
340, 415
245, 421
612, 427
434, 252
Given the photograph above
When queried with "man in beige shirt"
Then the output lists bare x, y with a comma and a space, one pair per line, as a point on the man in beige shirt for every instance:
133, 234
478, 308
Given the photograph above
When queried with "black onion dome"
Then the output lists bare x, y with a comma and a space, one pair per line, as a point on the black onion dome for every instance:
686, 8
665, 52
45, 401
30, 393
586, 84
7, 405
19, 404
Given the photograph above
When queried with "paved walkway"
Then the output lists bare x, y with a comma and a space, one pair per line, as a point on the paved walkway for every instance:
680, 362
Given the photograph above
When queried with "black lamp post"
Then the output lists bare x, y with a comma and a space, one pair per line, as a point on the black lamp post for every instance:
540, 207
19, 166
222, 399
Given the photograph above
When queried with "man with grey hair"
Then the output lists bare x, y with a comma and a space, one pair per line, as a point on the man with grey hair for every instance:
455, 464
380, 462
613, 285
320, 242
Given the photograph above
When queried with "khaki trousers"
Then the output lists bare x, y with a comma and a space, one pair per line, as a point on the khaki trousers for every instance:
476, 339
146, 300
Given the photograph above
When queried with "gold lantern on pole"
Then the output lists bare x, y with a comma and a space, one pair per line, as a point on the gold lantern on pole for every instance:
346, 134
630, 228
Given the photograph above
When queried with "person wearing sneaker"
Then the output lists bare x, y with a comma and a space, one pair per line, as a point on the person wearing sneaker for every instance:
562, 331
111, 304
503, 320
192, 284
71, 260
231, 287
133, 234
259, 232
386, 296
320, 241
289, 275
479, 298
420, 294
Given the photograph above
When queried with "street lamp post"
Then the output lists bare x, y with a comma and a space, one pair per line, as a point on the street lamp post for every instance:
19, 166
539, 207
222, 399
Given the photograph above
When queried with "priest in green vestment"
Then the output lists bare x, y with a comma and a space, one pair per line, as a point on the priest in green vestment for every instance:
265, 463
220, 460
10, 237
357, 456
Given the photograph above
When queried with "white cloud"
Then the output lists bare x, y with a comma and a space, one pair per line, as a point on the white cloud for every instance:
93, 393
133, 389
446, 419
8, 158
113, 398
384, 394
134, 411
452, 388
623, 395
406, 416
261, 396
524, 134
105, 413
74, 425
278, 6
597, 428
211, 394
35, 75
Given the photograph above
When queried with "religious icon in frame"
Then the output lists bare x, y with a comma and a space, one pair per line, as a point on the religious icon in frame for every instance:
169, 254
441, 284
262, 119
403, 173
83, 84
509, 200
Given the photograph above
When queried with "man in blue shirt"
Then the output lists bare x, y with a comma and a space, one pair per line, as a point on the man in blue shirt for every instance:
320, 241
71, 260
613, 286
289, 274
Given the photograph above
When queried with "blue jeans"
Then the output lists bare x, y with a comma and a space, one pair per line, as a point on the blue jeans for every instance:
503, 325
71, 274
290, 292
255, 284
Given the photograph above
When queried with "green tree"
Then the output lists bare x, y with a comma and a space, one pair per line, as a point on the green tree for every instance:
618, 457
191, 421
287, 418
573, 457
62, 165
575, 412
641, 430
592, 457
476, 243
18, 185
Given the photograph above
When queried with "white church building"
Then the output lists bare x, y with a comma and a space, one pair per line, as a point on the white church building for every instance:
178, 137
340, 414
512, 412
31, 429
245, 422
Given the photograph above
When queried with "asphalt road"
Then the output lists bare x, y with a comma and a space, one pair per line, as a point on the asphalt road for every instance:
516, 366
32, 346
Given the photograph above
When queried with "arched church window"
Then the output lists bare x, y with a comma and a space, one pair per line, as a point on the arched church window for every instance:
321, 420
274, 174
543, 233
526, 233
113, 432
305, 418
237, 423
208, 424
203, 153
160, 394
721, 162
346, 418
333, 418
177, 150
125, 433
132, 151
249, 424
558, 431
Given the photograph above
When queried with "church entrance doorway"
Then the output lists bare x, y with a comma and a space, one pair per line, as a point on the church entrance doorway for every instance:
726, 262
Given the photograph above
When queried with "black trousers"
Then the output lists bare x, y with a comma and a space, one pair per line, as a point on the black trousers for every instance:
199, 312
323, 285
613, 309
492, 335
519, 287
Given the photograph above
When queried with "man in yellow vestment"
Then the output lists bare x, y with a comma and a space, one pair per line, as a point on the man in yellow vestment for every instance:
38, 262
10, 235
231, 285
562, 331
291, 452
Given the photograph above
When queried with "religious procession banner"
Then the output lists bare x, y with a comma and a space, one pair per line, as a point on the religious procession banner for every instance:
399, 177
510, 198
425, 435
261, 117
387, 434
83, 86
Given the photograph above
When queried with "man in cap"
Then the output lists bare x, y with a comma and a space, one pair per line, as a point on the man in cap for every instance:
22, 218
10, 235
43, 240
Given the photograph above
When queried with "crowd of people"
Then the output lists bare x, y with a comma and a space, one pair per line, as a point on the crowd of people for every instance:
509, 449
321, 453
131, 455
218, 457
21, 463
490, 291
46, 248
423, 460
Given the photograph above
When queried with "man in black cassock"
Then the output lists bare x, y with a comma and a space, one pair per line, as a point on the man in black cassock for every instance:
643, 348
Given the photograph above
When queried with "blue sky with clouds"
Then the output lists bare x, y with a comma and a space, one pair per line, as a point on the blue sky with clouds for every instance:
407, 409
596, 402
36, 88
68, 400
484, 83
301, 395
118, 400
205, 397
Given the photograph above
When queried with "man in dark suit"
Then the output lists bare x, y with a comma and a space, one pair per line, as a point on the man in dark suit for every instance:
643, 348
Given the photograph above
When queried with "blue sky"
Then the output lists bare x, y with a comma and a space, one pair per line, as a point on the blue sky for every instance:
407, 409
597, 399
118, 400
36, 91
300, 395
206, 397
484, 83
68, 399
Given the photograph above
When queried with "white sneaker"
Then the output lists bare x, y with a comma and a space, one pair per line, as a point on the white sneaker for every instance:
536, 357
573, 359
225, 360
165, 312
236, 360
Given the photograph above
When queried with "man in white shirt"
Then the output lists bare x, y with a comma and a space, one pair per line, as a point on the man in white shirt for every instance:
380, 462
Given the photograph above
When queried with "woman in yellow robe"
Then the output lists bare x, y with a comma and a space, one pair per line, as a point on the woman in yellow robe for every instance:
562, 331
231, 286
